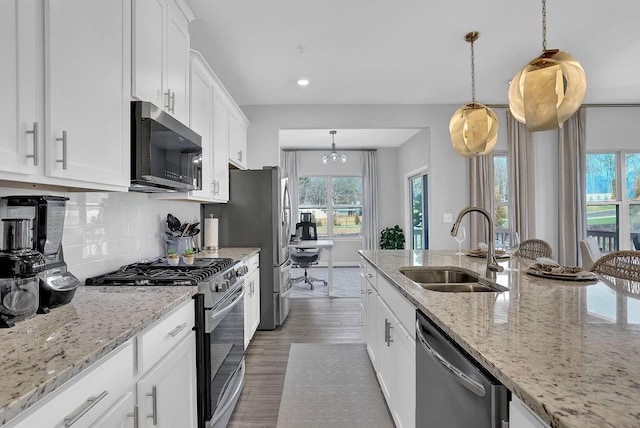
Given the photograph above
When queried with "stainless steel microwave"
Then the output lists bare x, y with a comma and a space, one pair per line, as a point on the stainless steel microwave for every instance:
166, 155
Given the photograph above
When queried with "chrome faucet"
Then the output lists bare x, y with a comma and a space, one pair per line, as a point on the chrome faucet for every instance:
492, 263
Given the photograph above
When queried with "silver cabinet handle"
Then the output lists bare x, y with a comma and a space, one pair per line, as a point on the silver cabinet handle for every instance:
134, 415
369, 291
240, 156
63, 139
172, 100
88, 405
167, 100
386, 331
154, 405
36, 137
462, 378
178, 329
369, 275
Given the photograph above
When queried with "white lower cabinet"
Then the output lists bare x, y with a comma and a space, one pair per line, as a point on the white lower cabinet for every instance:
167, 393
85, 399
110, 393
252, 299
120, 415
391, 345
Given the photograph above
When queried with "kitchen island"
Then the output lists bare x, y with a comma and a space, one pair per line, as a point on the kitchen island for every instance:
569, 350
41, 354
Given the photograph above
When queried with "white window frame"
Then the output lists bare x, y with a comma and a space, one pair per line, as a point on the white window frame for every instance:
621, 201
330, 206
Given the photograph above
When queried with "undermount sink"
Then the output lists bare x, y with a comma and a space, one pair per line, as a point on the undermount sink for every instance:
449, 280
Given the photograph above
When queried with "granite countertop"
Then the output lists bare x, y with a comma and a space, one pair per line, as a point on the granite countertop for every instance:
40, 354
569, 350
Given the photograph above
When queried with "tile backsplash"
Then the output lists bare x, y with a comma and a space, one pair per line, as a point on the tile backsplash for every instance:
105, 230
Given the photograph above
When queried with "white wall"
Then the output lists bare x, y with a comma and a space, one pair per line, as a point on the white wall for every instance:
105, 230
448, 171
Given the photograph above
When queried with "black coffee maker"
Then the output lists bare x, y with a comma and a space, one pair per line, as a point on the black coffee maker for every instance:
20, 272
57, 284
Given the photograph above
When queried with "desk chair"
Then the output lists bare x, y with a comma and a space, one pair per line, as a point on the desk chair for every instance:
306, 257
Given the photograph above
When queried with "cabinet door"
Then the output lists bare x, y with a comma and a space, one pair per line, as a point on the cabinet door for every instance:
256, 301
220, 146
167, 392
237, 140
201, 121
120, 415
20, 74
149, 18
372, 325
385, 349
177, 66
404, 377
87, 60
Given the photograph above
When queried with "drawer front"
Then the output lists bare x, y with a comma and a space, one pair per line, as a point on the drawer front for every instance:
157, 340
369, 273
253, 263
399, 305
83, 401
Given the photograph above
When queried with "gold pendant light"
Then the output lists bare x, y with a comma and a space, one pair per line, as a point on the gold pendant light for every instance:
549, 89
474, 126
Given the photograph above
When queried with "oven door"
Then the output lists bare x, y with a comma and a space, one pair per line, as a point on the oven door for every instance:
224, 350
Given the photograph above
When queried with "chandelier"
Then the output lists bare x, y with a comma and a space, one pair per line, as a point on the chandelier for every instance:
474, 126
549, 89
333, 156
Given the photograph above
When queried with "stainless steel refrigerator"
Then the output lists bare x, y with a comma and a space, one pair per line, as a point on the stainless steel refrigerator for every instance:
258, 214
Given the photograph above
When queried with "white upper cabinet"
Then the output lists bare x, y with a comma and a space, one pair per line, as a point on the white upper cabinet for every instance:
66, 93
87, 60
238, 125
221, 144
161, 54
21, 115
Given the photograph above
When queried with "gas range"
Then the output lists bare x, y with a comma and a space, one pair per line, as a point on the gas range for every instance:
214, 277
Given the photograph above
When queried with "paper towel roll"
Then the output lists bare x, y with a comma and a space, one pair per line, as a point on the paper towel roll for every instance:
211, 233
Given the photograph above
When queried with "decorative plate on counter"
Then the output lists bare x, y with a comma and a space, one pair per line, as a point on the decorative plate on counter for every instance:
482, 253
565, 276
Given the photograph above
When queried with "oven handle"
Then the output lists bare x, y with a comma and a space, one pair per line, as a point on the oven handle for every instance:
222, 312
462, 378
230, 401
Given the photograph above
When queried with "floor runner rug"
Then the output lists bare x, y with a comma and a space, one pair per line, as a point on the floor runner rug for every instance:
331, 386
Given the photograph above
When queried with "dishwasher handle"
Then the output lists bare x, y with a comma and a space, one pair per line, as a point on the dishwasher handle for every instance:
462, 378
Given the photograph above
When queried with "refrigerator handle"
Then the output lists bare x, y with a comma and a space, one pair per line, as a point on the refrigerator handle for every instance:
462, 378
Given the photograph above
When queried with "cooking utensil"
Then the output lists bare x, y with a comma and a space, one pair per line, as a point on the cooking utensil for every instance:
191, 228
195, 231
184, 229
173, 223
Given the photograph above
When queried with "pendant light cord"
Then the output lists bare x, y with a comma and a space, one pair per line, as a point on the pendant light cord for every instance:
473, 76
544, 25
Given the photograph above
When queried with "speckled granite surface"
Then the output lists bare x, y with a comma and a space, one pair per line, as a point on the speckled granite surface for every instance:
236, 253
569, 350
38, 355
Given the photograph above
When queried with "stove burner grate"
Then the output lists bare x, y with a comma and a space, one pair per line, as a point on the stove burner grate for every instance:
160, 273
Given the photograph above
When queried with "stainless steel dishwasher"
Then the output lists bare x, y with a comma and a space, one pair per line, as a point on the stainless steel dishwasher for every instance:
452, 390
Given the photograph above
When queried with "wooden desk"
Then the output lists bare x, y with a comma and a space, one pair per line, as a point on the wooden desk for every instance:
320, 244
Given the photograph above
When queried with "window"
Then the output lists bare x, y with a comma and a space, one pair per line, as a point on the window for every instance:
335, 204
500, 195
612, 214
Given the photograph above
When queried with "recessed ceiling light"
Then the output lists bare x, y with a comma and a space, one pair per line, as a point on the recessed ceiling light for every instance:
303, 82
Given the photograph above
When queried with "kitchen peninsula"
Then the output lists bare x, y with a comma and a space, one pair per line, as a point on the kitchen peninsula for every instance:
45, 354
552, 343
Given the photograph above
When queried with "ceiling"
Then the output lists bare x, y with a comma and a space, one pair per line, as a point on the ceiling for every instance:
409, 51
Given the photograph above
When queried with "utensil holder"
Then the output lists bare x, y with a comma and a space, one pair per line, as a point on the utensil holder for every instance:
179, 244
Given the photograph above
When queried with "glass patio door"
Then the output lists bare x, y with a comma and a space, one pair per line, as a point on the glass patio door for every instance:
419, 212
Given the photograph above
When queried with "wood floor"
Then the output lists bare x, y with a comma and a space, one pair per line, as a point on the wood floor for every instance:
313, 320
